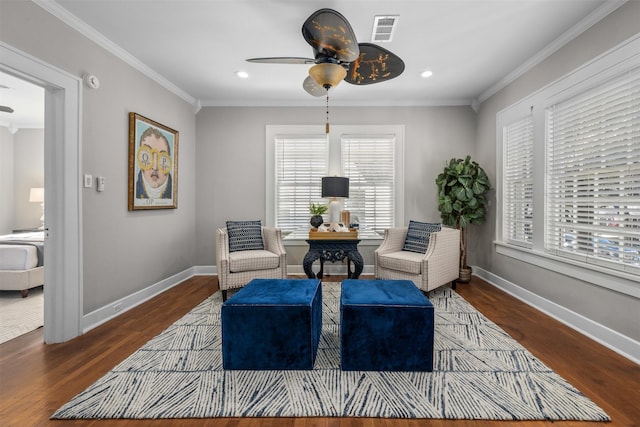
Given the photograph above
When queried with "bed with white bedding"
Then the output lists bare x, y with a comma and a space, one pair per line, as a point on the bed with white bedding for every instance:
21, 261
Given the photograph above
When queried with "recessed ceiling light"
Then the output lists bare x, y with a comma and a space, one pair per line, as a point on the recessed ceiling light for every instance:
426, 73
242, 74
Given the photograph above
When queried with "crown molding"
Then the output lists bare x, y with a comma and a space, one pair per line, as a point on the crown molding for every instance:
334, 103
77, 24
586, 23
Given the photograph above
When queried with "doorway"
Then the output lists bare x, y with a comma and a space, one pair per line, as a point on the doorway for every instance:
63, 204
21, 204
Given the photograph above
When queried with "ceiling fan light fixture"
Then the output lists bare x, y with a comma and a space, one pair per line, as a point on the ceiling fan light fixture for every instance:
327, 75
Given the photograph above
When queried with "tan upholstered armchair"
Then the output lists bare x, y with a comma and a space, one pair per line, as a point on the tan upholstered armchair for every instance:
236, 269
438, 266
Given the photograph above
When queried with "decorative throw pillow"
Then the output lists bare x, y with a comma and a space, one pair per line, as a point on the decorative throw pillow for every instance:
418, 234
245, 235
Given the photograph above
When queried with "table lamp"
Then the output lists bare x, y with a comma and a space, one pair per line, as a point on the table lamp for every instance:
36, 195
335, 187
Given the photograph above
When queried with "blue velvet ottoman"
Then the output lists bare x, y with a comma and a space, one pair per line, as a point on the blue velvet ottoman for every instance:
272, 324
385, 325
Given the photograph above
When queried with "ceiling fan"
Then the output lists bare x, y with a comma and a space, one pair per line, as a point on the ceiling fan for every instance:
338, 56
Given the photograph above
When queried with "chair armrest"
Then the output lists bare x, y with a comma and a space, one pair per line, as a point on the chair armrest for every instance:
444, 250
273, 240
222, 250
273, 243
393, 240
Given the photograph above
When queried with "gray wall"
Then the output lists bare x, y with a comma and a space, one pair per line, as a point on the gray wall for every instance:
6, 181
123, 252
231, 159
614, 310
28, 156
21, 168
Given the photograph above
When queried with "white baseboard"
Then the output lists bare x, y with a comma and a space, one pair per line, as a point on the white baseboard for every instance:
205, 270
335, 269
211, 270
116, 308
611, 339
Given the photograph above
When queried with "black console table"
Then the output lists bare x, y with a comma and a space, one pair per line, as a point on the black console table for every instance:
333, 251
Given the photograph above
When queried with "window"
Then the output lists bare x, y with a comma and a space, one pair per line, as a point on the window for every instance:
569, 173
518, 182
370, 156
593, 174
368, 162
300, 164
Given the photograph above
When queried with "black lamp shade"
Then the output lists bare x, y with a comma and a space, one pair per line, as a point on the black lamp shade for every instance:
335, 186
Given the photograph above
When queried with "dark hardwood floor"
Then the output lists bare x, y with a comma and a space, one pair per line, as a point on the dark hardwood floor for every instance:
36, 379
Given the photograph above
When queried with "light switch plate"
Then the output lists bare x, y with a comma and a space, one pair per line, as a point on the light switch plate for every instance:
100, 181
88, 181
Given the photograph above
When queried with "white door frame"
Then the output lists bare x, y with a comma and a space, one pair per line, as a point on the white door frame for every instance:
63, 198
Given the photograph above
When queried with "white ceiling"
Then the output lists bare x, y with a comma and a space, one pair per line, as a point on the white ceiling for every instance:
27, 101
194, 47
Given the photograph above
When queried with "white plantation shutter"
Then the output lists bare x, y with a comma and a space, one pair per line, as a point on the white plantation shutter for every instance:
518, 182
593, 175
301, 162
368, 161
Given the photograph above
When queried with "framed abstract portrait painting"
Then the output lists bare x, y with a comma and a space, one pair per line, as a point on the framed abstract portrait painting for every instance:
153, 164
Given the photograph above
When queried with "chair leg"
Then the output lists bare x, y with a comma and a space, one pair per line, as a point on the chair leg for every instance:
224, 296
454, 284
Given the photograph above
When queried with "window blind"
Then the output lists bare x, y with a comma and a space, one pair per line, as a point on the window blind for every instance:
593, 174
368, 161
518, 182
301, 162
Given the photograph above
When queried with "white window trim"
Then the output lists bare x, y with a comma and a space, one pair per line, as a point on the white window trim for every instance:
334, 152
624, 56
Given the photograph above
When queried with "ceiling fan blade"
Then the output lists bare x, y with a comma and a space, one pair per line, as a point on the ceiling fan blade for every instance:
374, 65
282, 60
5, 109
313, 88
331, 36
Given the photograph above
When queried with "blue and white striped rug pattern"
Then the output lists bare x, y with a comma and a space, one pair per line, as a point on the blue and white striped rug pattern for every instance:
480, 372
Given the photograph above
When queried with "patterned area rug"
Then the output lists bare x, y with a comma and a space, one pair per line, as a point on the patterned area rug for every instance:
20, 315
479, 373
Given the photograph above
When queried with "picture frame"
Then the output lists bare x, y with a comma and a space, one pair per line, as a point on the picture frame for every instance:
153, 164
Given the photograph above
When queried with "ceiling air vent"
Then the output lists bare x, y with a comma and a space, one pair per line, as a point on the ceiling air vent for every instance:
383, 28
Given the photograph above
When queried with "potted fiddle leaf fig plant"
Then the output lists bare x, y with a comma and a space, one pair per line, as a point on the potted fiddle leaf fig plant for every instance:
317, 210
462, 201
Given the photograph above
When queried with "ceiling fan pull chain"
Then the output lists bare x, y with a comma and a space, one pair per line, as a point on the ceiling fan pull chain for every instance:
326, 127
